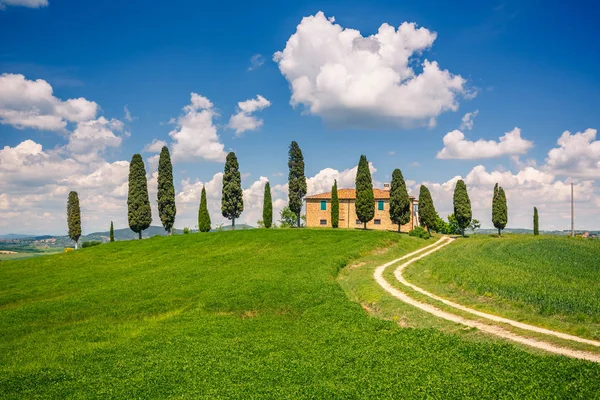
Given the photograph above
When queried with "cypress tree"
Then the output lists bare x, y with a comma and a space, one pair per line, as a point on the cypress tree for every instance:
74, 218
111, 234
499, 209
267, 207
296, 180
399, 201
365, 199
335, 206
232, 201
203, 215
536, 222
139, 213
427, 214
462, 206
166, 190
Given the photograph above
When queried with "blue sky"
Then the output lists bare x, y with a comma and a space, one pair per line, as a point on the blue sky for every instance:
529, 65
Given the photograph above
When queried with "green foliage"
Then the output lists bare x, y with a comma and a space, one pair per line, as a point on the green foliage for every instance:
427, 214
419, 232
166, 190
499, 209
111, 233
335, 206
447, 228
296, 180
255, 314
187, 231
203, 215
267, 220
536, 222
399, 200
74, 217
287, 218
545, 281
462, 206
90, 243
365, 199
475, 224
139, 213
232, 200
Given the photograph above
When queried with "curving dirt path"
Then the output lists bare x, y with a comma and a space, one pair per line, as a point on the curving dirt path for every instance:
492, 329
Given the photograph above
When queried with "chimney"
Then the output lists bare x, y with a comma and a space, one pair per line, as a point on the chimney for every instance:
386, 186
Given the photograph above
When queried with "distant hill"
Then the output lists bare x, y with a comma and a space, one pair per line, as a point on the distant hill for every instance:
12, 236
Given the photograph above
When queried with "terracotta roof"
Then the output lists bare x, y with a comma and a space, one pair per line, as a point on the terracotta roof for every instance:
350, 194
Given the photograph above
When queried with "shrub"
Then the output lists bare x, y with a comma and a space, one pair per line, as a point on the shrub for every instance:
420, 232
91, 243
186, 230
68, 249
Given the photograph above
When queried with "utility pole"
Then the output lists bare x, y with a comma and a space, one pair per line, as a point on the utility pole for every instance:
572, 213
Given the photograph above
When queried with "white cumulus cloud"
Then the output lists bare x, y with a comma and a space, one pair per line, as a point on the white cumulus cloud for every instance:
243, 120
457, 147
577, 155
24, 3
468, 120
349, 79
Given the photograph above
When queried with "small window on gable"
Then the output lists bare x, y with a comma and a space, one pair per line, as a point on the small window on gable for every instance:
380, 205
358, 222
323, 205
377, 222
323, 222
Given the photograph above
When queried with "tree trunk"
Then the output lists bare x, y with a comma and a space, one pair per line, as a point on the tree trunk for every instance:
398, 228
140, 234
233, 224
169, 232
499, 232
298, 220
76, 245
365, 228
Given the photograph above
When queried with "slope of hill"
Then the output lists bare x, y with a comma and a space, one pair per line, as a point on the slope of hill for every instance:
246, 314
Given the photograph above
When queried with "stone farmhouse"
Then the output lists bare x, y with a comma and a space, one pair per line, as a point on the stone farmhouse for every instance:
318, 211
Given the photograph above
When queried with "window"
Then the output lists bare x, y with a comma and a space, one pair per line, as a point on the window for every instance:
380, 205
377, 222
323, 205
323, 222
358, 222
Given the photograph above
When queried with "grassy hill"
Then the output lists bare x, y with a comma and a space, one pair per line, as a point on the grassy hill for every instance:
549, 281
245, 314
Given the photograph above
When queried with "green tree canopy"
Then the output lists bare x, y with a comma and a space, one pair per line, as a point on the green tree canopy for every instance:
232, 199
462, 206
296, 180
536, 222
203, 215
399, 200
267, 207
111, 235
335, 206
365, 199
166, 190
287, 218
427, 214
499, 209
139, 213
74, 217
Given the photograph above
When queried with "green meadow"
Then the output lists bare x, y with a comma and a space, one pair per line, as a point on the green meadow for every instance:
244, 314
549, 281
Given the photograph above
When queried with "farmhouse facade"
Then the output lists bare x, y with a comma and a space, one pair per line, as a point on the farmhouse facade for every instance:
318, 211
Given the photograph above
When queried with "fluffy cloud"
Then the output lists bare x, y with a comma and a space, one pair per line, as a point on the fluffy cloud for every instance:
323, 180
244, 120
350, 79
256, 61
195, 137
155, 147
578, 155
468, 120
31, 104
91, 138
23, 3
457, 147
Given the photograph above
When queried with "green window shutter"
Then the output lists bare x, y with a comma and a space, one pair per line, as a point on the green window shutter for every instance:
380, 205
323, 205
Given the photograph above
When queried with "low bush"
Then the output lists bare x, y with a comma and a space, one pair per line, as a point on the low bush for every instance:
420, 233
187, 231
91, 243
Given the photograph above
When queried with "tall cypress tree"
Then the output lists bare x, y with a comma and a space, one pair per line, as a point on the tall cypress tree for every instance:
296, 180
232, 201
203, 215
399, 201
427, 214
166, 190
139, 213
111, 234
462, 206
365, 199
499, 209
335, 206
74, 218
536, 222
267, 207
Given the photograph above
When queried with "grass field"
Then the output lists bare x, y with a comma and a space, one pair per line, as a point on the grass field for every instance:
549, 281
246, 314
26, 254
